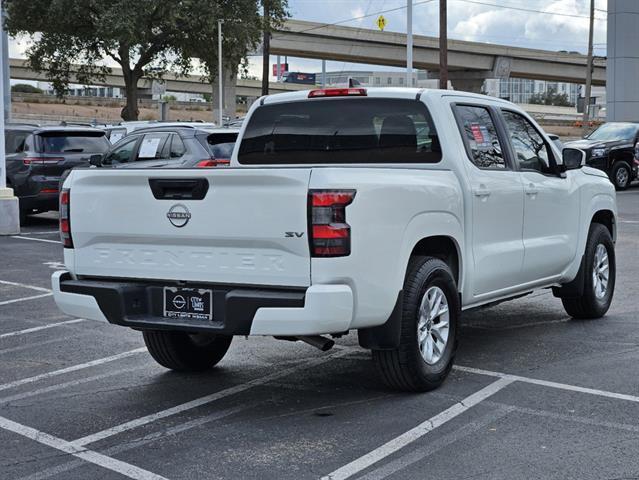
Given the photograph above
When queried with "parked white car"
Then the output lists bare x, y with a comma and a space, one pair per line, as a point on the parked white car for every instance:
386, 211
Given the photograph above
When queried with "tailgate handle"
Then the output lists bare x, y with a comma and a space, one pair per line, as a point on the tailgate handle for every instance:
179, 188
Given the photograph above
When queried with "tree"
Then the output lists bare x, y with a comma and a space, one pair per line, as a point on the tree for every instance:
241, 33
25, 88
551, 97
73, 39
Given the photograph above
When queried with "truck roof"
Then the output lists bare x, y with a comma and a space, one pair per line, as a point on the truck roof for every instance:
380, 92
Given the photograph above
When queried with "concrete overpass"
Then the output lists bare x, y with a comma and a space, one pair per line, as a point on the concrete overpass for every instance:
469, 62
191, 84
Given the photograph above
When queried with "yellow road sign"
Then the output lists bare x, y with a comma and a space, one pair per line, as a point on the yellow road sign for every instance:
381, 22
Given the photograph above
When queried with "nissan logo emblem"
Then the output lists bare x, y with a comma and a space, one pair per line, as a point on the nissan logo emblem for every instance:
178, 215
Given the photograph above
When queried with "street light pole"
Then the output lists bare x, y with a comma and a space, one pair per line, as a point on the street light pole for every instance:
409, 43
589, 66
220, 77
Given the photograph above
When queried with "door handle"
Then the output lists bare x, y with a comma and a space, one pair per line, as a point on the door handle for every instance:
531, 189
481, 191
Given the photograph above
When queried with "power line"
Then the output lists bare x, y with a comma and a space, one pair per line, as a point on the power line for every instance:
523, 9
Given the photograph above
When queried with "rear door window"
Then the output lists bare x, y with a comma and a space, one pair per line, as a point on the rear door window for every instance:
14, 141
152, 147
344, 130
480, 137
80, 142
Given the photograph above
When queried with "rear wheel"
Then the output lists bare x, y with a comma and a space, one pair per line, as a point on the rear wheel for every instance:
621, 174
600, 275
429, 327
186, 352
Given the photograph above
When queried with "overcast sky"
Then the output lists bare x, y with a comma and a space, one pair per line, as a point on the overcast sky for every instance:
551, 25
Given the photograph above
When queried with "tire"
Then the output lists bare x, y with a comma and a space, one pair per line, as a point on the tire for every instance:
592, 303
406, 368
186, 352
621, 174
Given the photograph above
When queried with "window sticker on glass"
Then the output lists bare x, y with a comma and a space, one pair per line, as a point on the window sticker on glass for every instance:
149, 147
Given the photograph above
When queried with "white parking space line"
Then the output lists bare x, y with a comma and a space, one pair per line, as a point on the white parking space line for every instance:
41, 327
25, 285
634, 222
198, 402
24, 299
35, 239
417, 432
69, 384
123, 468
546, 383
70, 369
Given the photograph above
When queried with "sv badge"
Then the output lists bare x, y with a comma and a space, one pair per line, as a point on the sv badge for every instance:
293, 234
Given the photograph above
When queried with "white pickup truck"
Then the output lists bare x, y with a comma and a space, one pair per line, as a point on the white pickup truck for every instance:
386, 211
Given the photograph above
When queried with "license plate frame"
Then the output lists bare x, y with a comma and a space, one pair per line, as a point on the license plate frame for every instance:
186, 303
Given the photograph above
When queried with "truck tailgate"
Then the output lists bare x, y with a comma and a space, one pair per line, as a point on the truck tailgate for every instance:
236, 234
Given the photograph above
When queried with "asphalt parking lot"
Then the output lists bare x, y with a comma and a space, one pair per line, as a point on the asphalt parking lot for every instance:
534, 394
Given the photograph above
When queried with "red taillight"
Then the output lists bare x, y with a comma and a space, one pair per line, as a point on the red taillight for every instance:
330, 235
337, 92
209, 162
65, 220
49, 190
41, 160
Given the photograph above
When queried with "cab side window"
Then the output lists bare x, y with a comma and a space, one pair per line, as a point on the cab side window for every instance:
480, 136
531, 151
122, 153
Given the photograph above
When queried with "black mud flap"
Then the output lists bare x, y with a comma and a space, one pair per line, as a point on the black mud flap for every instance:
385, 336
574, 288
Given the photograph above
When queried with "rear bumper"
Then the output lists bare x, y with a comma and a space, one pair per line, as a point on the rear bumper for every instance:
237, 310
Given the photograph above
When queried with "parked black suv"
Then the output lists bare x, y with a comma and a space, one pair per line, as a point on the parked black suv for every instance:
171, 147
611, 148
38, 156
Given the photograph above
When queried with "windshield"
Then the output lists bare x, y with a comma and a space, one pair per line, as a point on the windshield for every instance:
75, 143
609, 132
342, 130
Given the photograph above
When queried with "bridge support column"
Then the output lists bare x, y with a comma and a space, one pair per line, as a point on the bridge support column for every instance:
622, 69
473, 85
230, 100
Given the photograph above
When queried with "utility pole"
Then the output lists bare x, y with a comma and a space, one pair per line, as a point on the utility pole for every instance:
443, 45
589, 66
6, 91
409, 43
220, 75
266, 47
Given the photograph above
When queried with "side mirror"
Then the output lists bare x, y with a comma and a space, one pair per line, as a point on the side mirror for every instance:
573, 158
96, 160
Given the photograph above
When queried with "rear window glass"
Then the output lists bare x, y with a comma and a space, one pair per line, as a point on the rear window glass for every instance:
345, 130
74, 142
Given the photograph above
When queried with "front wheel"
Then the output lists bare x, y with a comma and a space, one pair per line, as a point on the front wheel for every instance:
429, 326
186, 352
621, 174
600, 273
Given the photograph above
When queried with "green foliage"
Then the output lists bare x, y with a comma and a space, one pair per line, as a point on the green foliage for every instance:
72, 39
169, 98
25, 88
551, 97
